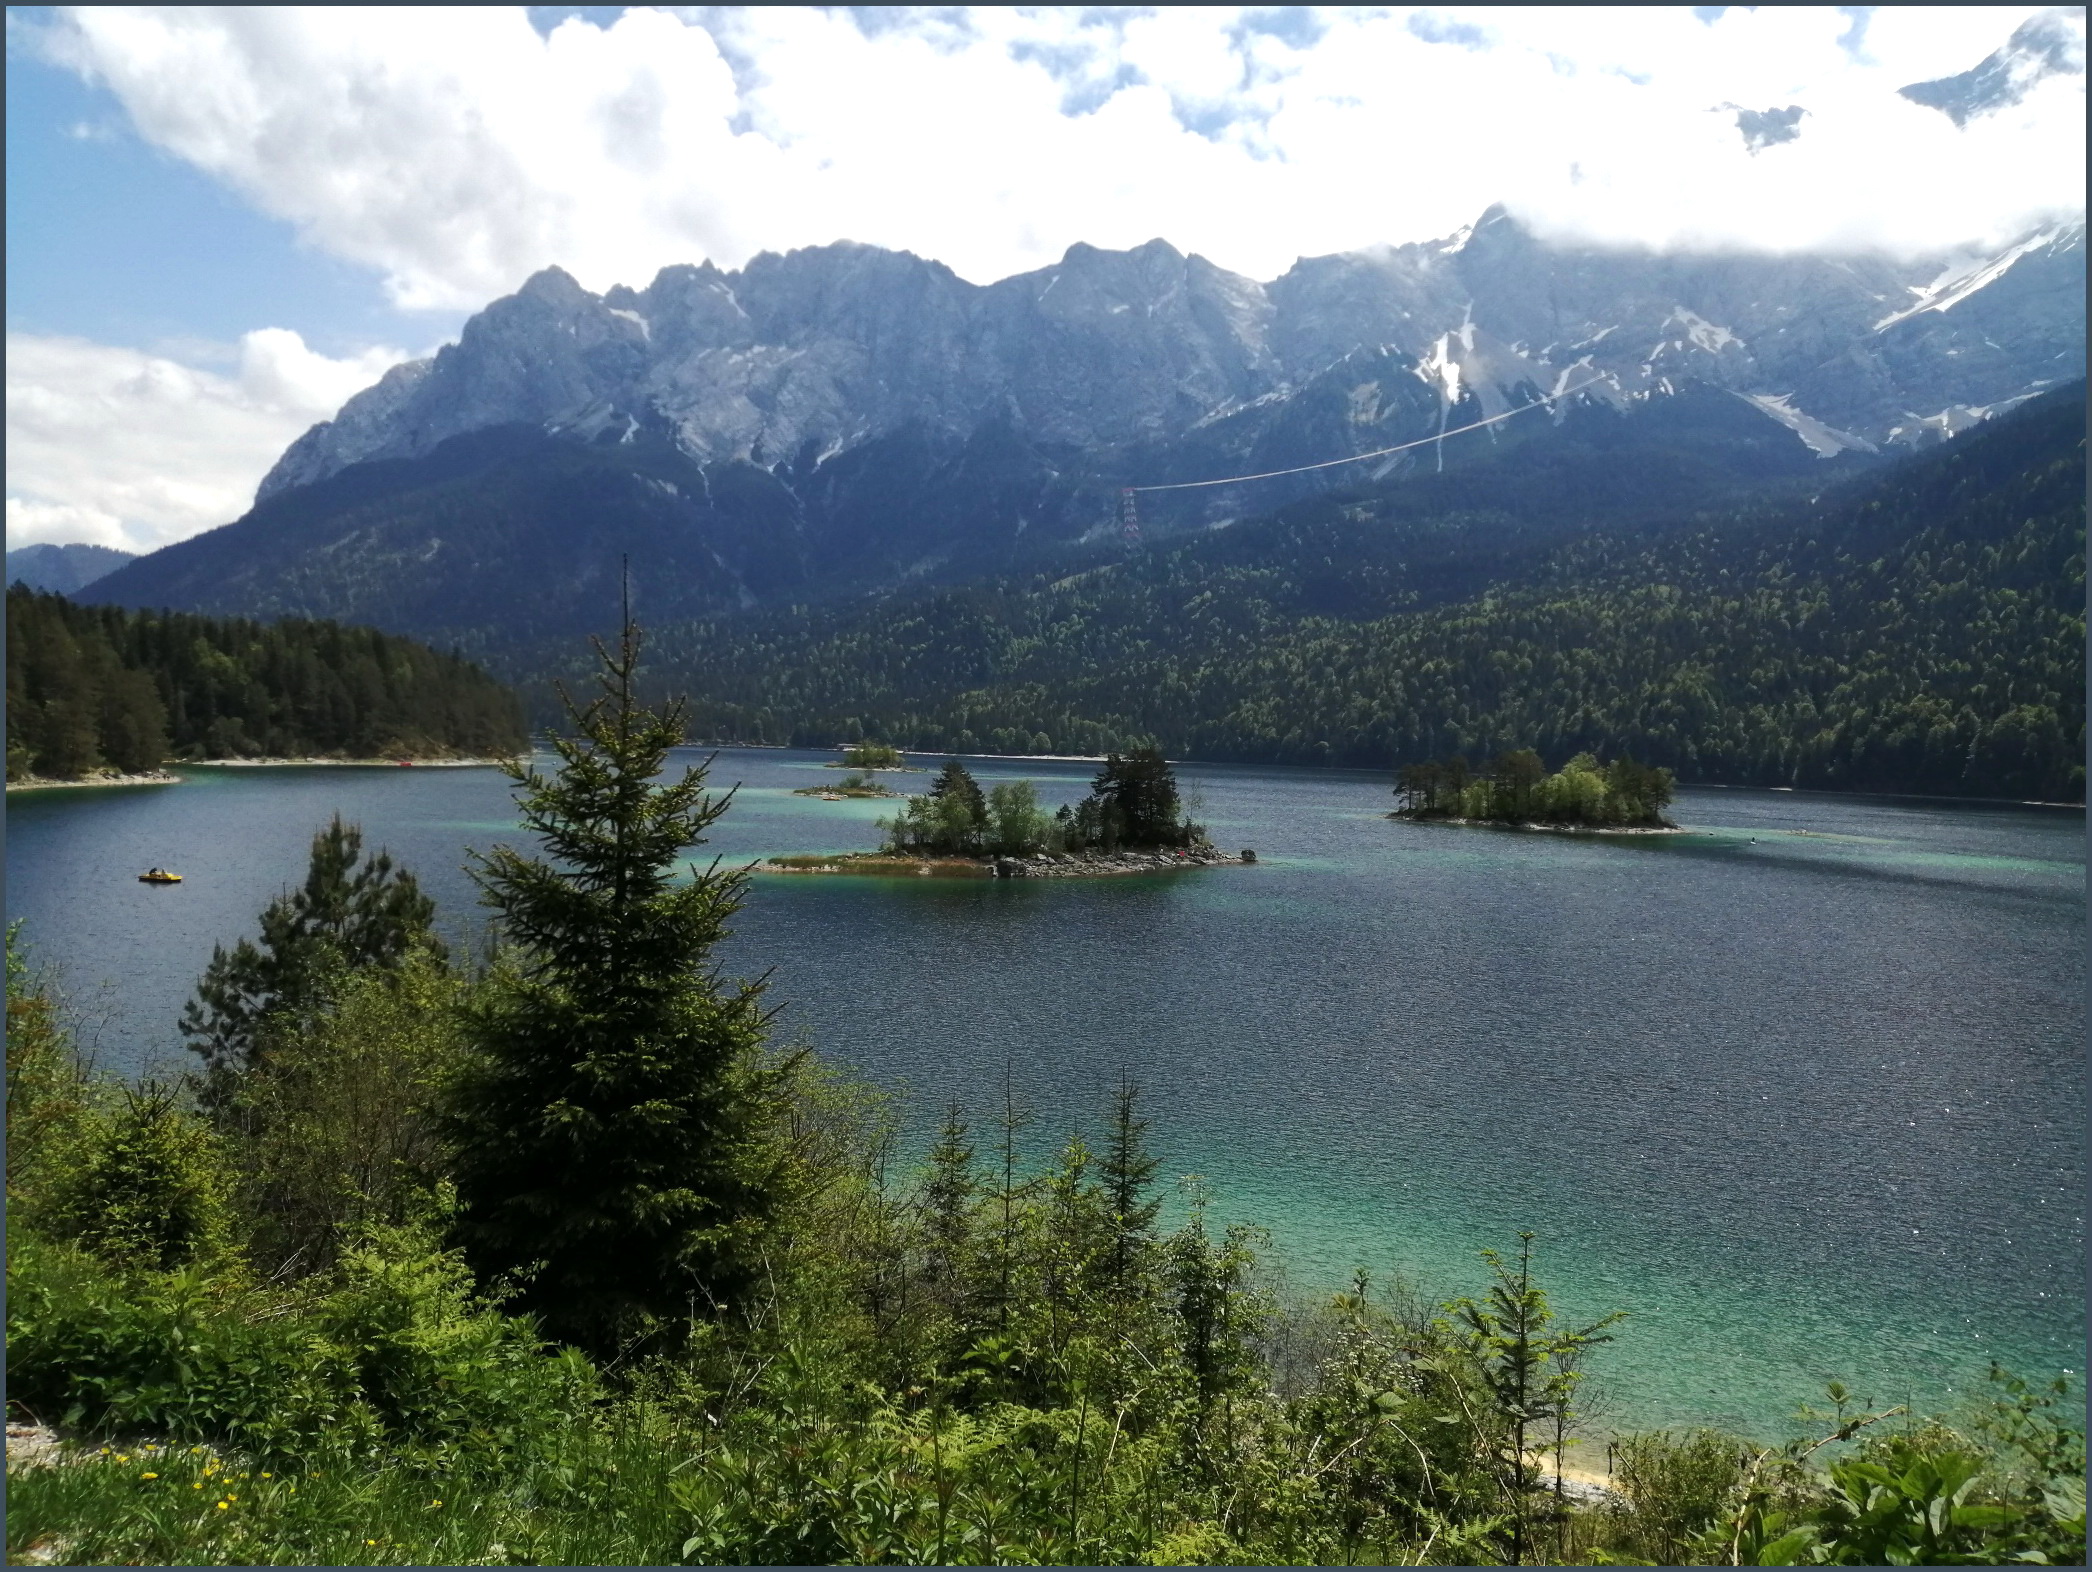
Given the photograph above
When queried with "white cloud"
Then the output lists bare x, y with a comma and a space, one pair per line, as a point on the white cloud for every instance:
456, 151
134, 450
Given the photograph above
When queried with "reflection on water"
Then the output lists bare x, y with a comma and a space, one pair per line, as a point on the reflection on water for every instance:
1802, 1090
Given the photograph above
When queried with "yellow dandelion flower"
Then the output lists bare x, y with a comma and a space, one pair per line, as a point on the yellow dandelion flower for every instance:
435, 1503
265, 1476
196, 1487
148, 1476
221, 1506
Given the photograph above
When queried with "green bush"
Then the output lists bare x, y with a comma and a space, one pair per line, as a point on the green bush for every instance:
185, 1355
47, 1088
333, 1130
396, 1351
146, 1183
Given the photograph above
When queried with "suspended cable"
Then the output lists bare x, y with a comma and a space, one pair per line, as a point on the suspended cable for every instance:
1359, 458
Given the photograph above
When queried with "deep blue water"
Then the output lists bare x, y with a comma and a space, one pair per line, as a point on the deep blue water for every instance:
1802, 1091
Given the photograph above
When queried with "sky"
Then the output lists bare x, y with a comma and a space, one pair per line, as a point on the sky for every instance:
224, 221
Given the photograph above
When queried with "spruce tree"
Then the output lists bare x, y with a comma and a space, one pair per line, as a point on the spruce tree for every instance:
343, 917
960, 810
1128, 1169
613, 1140
948, 1203
1136, 795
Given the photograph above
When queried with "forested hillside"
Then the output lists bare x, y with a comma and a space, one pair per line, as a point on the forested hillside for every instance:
1920, 628
95, 687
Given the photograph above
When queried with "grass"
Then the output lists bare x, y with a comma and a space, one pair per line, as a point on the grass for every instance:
605, 1501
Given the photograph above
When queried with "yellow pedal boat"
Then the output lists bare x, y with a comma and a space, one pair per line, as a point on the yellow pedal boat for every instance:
159, 876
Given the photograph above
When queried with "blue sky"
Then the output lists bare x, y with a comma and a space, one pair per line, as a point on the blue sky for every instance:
223, 221
113, 240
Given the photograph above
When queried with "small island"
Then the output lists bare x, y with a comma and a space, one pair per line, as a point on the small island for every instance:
869, 756
1622, 798
1132, 822
860, 785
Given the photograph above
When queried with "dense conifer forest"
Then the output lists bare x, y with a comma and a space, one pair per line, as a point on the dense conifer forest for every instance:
1917, 628
559, 1259
97, 687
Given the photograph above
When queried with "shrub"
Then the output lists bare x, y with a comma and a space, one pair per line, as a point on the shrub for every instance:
147, 1182
334, 1128
47, 1089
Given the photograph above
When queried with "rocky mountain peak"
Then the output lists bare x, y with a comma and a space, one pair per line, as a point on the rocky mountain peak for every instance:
824, 347
2049, 44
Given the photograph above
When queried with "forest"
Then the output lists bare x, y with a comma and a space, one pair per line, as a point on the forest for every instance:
93, 688
1916, 628
556, 1257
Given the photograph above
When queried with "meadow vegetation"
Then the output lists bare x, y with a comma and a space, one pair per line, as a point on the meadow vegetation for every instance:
560, 1260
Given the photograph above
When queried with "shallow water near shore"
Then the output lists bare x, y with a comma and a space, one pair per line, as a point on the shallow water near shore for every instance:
1802, 1091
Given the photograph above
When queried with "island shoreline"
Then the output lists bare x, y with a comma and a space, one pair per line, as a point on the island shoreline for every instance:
882, 865
1549, 829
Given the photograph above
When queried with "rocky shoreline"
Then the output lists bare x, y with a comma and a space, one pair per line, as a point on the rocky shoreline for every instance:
395, 762
103, 778
1040, 865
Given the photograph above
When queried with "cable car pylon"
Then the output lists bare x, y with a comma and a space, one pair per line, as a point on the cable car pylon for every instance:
1129, 517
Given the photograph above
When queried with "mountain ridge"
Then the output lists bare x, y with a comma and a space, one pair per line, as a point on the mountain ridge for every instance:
829, 345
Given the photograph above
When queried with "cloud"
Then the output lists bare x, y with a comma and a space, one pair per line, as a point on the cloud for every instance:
135, 450
1768, 127
456, 151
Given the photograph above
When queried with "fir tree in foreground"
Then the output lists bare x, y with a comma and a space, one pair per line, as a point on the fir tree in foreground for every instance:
613, 1138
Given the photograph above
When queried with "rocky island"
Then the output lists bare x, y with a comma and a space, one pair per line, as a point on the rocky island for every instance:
1132, 822
849, 786
1039, 865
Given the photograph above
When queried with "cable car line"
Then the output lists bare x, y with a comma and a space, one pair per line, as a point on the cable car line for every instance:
1359, 458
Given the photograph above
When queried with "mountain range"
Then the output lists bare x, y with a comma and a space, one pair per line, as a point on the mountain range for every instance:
64, 570
845, 420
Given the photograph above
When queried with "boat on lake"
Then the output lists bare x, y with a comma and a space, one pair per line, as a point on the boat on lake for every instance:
159, 876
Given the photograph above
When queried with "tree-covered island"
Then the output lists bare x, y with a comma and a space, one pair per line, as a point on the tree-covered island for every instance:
870, 756
1133, 819
1516, 789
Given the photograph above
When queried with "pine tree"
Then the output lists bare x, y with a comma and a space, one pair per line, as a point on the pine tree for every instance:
948, 1201
1521, 1363
345, 917
961, 812
1129, 1169
613, 1143
1137, 799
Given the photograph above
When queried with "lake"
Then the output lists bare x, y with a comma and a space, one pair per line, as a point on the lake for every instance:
1801, 1091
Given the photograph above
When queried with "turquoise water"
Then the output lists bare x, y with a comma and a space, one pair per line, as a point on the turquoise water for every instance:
1802, 1091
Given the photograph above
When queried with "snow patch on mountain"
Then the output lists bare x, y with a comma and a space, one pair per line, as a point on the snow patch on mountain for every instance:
1919, 430
1956, 284
1702, 333
1825, 441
